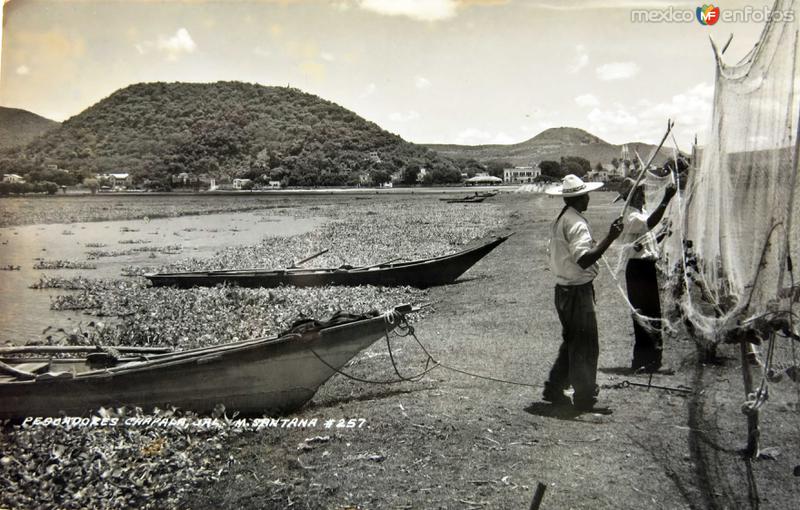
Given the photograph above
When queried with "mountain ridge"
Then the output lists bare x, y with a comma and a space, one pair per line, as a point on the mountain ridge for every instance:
19, 127
550, 144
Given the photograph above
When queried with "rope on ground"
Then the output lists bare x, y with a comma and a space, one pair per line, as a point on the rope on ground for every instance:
402, 324
405, 329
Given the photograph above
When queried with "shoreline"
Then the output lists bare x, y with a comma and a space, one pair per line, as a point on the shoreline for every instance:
457, 441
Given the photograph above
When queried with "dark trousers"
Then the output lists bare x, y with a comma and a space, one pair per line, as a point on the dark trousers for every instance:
576, 363
642, 283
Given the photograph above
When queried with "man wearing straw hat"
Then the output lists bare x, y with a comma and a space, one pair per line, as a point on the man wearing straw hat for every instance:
640, 273
573, 261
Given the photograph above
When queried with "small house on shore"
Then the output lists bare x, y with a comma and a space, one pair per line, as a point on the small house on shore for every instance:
241, 183
13, 178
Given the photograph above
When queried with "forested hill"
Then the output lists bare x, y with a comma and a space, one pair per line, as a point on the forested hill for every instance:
229, 129
19, 127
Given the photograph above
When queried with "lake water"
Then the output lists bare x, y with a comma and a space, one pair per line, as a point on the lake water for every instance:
25, 312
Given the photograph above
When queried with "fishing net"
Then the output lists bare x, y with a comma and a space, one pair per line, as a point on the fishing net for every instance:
734, 223
732, 226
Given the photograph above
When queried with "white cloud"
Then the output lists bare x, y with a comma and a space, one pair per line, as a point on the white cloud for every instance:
474, 136
587, 100
404, 116
173, 46
23, 70
421, 82
422, 10
327, 57
179, 43
580, 61
617, 71
690, 110
690, 104
646, 120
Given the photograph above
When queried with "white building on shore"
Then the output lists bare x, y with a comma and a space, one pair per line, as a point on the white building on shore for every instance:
521, 174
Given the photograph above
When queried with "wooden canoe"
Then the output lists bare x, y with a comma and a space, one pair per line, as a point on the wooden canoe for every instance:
477, 198
253, 377
418, 273
474, 199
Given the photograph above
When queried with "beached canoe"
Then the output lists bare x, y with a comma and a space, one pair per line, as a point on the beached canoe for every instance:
268, 375
477, 198
418, 273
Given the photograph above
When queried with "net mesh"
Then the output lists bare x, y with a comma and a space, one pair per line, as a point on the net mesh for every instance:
735, 218
733, 223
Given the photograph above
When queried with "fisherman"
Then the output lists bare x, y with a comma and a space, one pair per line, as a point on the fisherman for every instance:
641, 247
573, 261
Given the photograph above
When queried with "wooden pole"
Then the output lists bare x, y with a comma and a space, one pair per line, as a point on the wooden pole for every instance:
538, 496
730, 38
751, 450
326, 250
375, 265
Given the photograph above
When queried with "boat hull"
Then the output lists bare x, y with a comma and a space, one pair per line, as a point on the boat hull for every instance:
420, 273
253, 378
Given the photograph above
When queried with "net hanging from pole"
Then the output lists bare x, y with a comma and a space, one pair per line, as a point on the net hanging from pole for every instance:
735, 221
736, 216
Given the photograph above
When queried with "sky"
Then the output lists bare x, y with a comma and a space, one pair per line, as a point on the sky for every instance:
431, 71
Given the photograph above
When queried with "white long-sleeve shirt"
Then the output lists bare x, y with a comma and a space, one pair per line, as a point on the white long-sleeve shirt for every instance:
635, 233
570, 239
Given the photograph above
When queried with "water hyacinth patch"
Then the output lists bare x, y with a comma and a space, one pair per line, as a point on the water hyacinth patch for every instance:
187, 318
134, 241
169, 250
109, 466
63, 264
421, 232
28, 210
74, 283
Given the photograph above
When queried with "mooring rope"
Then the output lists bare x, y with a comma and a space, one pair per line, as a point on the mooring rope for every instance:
405, 329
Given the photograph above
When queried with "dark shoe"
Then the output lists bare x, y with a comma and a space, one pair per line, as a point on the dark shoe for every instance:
555, 397
592, 407
653, 367
638, 365
596, 410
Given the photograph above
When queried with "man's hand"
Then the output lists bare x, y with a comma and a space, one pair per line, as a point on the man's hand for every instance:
593, 255
616, 229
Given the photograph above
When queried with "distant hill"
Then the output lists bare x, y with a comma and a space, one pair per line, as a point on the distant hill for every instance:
20, 127
227, 129
550, 144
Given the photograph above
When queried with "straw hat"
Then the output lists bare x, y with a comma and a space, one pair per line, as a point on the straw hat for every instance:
573, 186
